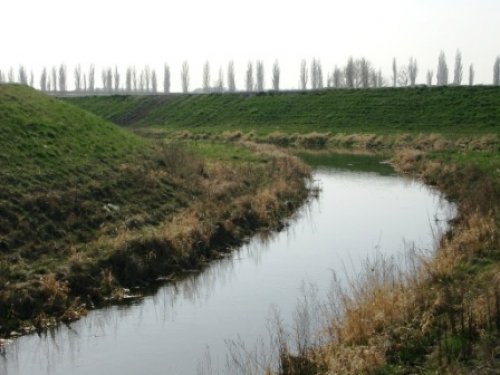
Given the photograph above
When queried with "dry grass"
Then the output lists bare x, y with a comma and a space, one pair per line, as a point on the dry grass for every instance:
440, 312
210, 206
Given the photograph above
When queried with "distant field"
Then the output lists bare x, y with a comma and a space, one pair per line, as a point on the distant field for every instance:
450, 110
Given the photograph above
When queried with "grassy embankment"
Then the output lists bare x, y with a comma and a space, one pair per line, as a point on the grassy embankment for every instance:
445, 316
88, 209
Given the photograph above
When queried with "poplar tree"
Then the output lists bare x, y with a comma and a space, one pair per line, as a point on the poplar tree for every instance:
249, 77
429, 77
303, 75
276, 76
471, 75
260, 76
128, 80
91, 79
116, 79
394, 73
154, 82
23, 76
458, 71
206, 77
412, 71
185, 77
496, 72
442, 70
166, 79
78, 78
231, 83
62, 78
43, 80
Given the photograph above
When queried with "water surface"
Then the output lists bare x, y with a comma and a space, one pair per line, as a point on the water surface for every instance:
357, 214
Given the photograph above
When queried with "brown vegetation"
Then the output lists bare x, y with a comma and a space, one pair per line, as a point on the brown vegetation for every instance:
442, 315
168, 215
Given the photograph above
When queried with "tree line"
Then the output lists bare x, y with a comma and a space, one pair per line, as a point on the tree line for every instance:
357, 73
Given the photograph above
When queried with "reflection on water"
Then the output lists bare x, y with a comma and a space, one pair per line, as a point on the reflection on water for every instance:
356, 215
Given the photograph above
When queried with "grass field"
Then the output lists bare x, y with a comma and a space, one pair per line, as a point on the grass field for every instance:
87, 208
443, 318
448, 110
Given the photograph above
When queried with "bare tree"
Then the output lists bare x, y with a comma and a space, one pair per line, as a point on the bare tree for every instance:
373, 78
62, 78
249, 77
219, 84
128, 80
380, 79
134, 78
442, 70
329, 80
403, 77
337, 78
104, 78
350, 73
259, 75
1, 76
23, 76
319, 72
496, 72
185, 77
142, 82
10, 75
32, 79
166, 79
43, 80
365, 73
394, 73
116, 79
429, 77
147, 77
412, 71
91, 78
303, 75
471, 75
314, 75
206, 77
107, 79
276, 76
458, 72
109, 74
78, 78
154, 82
231, 83
53, 80
84, 82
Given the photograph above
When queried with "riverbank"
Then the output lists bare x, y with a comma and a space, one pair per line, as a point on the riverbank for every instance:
90, 211
444, 315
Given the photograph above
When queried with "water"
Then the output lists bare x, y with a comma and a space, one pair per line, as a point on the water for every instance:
358, 214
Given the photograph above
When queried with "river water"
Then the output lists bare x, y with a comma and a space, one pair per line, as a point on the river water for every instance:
363, 209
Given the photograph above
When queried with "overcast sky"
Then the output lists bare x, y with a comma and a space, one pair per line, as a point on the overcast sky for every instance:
43, 33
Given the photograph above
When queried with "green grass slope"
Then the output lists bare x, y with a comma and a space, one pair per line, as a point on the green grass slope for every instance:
48, 138
87, 208
437, 109
66, 177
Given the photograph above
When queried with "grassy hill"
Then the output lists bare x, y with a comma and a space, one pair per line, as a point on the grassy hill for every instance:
437, 109
50, 138
87, 208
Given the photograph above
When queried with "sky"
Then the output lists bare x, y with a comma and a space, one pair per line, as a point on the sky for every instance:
129, 32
